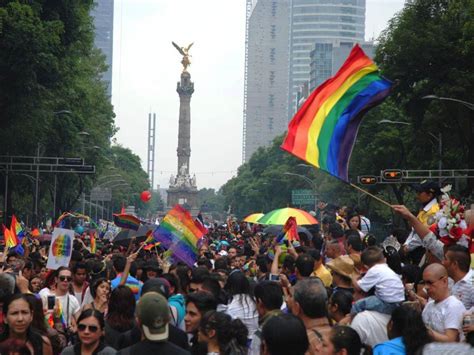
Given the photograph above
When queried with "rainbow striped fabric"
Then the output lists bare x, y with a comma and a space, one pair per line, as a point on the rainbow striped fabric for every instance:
93, 236
179, 232
151, 246
324, 130
127, 221
10, 239
290, 231
17, 229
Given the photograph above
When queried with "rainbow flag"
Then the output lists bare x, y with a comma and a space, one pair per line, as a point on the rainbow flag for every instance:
324, 129
151, 246
180, 233
35, 233
60, 316
290, 231
127, 221
93, 242
17, 229
10, 239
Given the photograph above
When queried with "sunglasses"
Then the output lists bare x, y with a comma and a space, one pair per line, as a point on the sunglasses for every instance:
83, 327
431, 283
65, 278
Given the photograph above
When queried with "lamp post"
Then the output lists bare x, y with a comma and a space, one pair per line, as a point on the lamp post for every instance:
310, 182
469, 105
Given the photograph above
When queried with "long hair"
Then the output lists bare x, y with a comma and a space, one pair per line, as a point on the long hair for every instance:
231, 334
121, 314
36, 305
344, 337
407, 322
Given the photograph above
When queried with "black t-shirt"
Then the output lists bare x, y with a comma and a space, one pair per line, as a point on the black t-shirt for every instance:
175, 336
154, 347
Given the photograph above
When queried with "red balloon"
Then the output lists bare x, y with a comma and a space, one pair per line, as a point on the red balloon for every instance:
145, 196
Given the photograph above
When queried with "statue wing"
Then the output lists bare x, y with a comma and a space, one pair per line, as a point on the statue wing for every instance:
178, 48
189, 47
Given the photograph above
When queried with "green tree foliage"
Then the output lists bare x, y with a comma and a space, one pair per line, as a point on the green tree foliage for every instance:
51, 97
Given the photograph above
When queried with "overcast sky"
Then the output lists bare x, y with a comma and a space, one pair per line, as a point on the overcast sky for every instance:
146, 68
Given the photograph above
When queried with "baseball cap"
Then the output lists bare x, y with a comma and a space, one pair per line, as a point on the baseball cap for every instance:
154, 315
428, 186
157, 284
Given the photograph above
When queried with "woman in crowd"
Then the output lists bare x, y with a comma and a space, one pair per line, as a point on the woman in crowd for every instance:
406, 331
353, 223
342, 340
242, 304
90, 329
120, 319
339, 307
36, 284
284, 334
223, 335
18, 316
100, 290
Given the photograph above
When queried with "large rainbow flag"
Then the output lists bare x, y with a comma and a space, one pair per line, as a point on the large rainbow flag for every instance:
127, 221
179, 232
324, 129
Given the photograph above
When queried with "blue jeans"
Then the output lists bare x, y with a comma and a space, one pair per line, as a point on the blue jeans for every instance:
373, 303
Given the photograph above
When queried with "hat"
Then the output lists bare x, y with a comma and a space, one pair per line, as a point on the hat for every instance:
157, 284
154, 315
342, 265
428, 186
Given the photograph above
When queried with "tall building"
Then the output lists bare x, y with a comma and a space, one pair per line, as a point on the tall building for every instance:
266, 73
327, 58
103, 14
319, 21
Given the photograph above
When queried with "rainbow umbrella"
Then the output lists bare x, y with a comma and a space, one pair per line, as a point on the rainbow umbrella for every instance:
253, 218
280, 216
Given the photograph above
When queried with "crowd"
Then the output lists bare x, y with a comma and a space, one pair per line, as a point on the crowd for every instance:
337, 292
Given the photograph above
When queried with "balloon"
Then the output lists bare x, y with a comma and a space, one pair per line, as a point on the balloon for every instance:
145, 196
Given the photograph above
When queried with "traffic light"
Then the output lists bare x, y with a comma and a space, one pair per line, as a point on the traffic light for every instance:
392, 175
367, 180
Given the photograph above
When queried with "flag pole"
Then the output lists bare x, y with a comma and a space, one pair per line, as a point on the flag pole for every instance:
371, 195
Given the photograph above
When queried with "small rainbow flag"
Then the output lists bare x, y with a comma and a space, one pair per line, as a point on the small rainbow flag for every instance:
151, 246
10, 239
127, 221
149, 237
290, 231
60, 315
35, 233
93, 242
324, 129
17, 229
180, 233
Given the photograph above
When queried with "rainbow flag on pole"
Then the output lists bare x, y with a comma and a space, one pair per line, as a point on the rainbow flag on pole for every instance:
17, 229
324, 129
290, 231
93, 242
127, 221
11, 241
180, 233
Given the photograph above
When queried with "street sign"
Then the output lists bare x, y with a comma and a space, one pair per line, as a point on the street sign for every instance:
302, 197
101, 194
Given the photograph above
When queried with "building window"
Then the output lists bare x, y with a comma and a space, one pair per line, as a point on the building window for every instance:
273, 31
274, 8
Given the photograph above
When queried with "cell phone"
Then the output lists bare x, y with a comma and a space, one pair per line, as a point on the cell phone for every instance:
51, 302
273, 277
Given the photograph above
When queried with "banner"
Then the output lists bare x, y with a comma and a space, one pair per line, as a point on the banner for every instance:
60, 249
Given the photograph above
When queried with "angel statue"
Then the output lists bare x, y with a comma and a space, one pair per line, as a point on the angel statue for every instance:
184, 51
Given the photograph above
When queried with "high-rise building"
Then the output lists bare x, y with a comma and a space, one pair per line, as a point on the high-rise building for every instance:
327, 58
266, 73
103, 14
319, 21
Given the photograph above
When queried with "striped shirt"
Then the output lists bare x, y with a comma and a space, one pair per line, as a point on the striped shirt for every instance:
463, 290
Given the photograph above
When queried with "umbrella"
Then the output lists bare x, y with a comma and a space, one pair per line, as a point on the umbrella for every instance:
280, 216
124, 236
253, 218
276, 230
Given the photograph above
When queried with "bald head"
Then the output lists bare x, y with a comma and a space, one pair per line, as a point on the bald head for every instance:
436, 270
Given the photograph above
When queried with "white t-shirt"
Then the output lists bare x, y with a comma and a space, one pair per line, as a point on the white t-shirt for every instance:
244, 308
371, 327
444, 315
73, 304
388, 286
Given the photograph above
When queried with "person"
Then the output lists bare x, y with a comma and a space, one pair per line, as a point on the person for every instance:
354, 248
100, 290
342, 340
119, 264
35, 284
333, 249
339, 306
406, 331
443, 314
309, 304
90, 329
389, 290
342, 269
269, 300
242, 304
364, 221
176, 299
120, 318
197, 304
18, 317
69, 305
79, 281
284, 334
153, 317
457, 261
222, 334
354, 223
319, 269
304, 266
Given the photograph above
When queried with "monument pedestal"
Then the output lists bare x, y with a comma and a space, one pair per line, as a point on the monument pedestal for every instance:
184, 196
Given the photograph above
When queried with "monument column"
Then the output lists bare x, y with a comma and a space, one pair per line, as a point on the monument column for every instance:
185, 90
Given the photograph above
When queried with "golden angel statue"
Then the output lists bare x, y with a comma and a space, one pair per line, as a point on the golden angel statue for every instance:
184, 51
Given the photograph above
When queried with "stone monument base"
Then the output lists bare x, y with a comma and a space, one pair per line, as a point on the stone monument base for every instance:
184, 196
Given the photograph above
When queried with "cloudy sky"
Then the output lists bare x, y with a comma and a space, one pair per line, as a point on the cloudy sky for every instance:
146, 68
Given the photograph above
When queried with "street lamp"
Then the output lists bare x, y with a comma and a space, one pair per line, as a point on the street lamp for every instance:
309, 181
469, 105
394, 122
